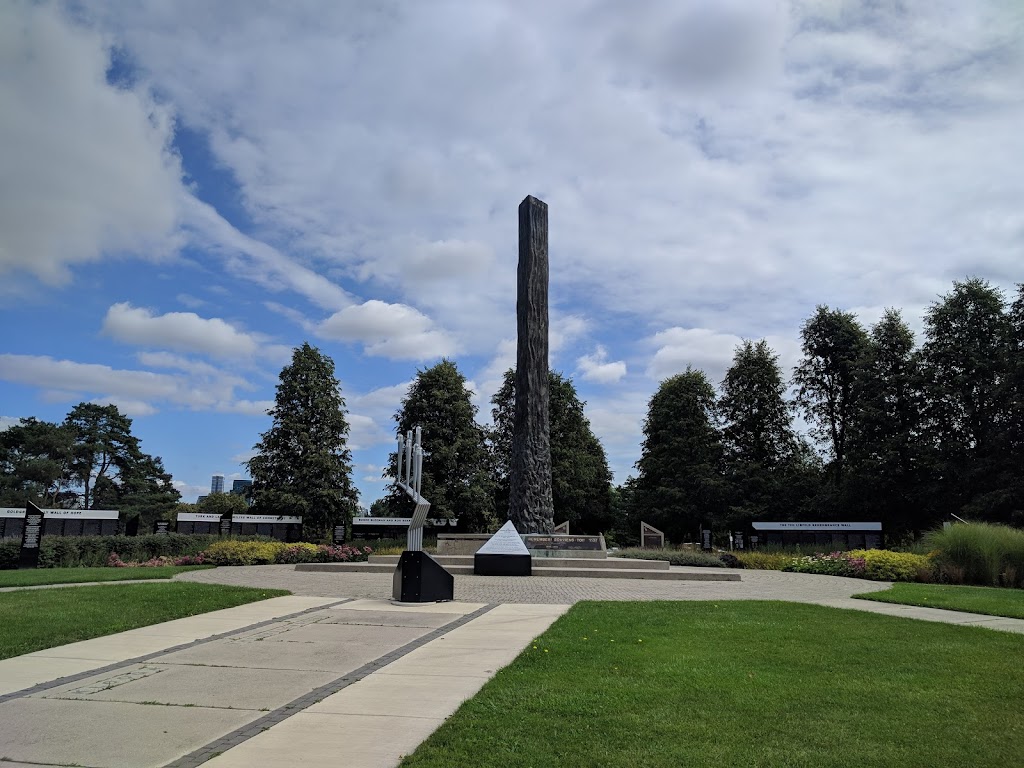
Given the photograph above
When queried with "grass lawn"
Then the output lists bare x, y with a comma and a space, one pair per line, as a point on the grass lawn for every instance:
33, 619
30, 577
743, 683
988, 600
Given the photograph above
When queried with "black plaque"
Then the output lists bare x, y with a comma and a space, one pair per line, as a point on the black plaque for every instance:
568, 543
31, 536
737, 539
705, 538
339, 534
225, 525
162, 527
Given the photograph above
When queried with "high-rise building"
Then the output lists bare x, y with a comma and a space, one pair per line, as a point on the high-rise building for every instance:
217, 485
240, 486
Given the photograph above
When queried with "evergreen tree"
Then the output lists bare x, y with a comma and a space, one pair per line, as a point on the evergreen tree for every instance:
302, 464
833, 343
34, 458
580, 477
966, 368
456, 477
679, 484
884, 438
757, 435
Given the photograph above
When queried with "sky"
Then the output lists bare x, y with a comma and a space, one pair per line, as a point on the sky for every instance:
189, 190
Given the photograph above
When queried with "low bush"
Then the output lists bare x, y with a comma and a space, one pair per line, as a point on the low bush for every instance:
978, 553
115, 561
729, 560
94, 551
765, 561
831, 564
300, 552
883, 565
233, 552
10, 553
343, 553
673, 556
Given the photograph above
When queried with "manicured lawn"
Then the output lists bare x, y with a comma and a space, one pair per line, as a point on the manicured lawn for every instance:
988, 600
33, 619
31, 577
743, 683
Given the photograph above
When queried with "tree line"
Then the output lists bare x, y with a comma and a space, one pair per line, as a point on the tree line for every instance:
905, 434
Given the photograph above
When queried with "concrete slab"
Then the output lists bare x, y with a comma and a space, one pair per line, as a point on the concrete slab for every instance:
107, 649
369, 604
324, 741
484, 639
195, 686
23, 672
389, 618
336, 648
450, 661
1002, 624
407, 695
107, 734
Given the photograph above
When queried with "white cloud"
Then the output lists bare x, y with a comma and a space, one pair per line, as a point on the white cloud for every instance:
128, 407
596, 367
86, 167
178, 330
396, 331
6, 422
700, 348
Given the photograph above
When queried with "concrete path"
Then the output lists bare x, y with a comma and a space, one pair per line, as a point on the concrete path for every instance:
288, 681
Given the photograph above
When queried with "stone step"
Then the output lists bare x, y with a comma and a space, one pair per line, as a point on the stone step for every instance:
705, 574
545, 562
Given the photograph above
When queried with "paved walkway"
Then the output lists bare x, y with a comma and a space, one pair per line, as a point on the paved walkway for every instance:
333, 670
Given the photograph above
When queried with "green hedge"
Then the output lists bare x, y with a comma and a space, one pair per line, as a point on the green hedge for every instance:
94, 551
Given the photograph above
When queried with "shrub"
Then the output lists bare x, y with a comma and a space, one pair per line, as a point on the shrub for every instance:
883, 565
299, 553
832, 564
234, 552
115, 561
93, 551
10, 553
765, 561
729, 560
343, 553
673, 556
979, 553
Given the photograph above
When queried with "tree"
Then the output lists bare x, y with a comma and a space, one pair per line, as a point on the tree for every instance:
580, 477
109, 469
679, 484
758, 441
966, 367
302, 464
223, 504
833, 344
883, 441
456, 478
34, 457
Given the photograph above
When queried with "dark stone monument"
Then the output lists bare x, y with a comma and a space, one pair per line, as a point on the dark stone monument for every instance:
161, 527
651, 537
705, 538
31, 536
339, 534
504, 554
530, 505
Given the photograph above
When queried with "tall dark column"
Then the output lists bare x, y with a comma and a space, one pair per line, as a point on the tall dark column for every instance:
530, 506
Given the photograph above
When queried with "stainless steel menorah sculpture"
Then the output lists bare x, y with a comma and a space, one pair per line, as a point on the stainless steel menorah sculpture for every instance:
410, 456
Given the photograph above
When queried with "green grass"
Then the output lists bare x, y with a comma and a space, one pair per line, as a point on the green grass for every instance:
743, 683
35, 619
31, 577
991, 601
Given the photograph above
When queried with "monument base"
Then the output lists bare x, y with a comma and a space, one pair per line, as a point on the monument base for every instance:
502, 565
561, 545
419, 578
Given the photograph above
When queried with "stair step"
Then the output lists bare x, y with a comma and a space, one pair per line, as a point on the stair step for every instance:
613, 563
708, 574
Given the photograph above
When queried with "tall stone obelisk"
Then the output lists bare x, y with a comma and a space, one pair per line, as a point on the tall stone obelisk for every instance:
530, 506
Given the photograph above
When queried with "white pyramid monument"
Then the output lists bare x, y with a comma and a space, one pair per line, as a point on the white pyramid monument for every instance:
504, 554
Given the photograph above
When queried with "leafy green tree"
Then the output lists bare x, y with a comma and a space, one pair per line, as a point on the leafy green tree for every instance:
581, 481
109, 469
833, 343
883, 443
456, 477
34, 457
223, 504
679, 483
302, 464
1015, 399
757, 435
966, 367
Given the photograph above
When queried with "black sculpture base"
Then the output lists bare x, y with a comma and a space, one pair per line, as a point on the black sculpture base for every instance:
419, 578
502, 565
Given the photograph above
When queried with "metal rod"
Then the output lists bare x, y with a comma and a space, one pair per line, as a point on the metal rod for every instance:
401, 455
408, 456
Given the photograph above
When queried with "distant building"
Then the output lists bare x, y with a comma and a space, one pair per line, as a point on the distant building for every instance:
241, 487
200, 499
217, 485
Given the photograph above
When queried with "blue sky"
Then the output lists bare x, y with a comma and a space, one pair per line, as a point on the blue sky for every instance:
188, 190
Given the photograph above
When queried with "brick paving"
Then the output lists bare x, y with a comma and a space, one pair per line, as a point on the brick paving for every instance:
753, 585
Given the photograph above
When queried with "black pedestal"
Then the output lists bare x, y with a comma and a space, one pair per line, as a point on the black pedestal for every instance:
419, 578
502, 565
